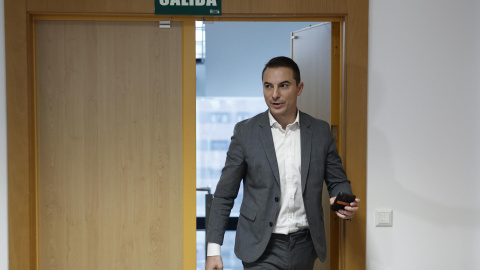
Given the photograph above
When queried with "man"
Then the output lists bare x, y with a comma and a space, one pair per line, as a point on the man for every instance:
283, 156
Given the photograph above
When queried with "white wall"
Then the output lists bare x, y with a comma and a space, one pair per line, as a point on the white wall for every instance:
423, 134
3, 149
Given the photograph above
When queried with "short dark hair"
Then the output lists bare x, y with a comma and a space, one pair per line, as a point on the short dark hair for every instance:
283, 61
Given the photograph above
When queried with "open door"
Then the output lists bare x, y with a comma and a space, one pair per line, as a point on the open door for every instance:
312, 51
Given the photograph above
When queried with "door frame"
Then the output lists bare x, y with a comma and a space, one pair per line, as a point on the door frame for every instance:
21, 129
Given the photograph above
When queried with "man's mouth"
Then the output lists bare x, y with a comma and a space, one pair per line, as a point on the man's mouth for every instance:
277, 104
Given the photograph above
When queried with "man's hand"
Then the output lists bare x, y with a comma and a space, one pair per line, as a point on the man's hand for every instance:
349, 211
214, 263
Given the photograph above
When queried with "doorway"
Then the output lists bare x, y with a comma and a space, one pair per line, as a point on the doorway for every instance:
228, 91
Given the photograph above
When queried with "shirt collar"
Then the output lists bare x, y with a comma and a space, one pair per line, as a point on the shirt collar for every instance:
273, 120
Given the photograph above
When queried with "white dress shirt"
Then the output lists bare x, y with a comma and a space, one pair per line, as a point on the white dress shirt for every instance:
291, 216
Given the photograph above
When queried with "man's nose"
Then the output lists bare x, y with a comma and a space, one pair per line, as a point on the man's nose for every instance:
275, 94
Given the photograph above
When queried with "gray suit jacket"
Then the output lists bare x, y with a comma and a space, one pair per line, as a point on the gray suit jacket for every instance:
251, 157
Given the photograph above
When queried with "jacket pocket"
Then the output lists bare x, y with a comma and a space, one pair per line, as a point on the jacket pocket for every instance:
248, 213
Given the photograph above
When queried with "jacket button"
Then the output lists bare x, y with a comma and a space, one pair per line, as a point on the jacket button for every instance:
276, 199
271, 224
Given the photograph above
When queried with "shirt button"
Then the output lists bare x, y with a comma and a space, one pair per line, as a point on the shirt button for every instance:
271, 224
276, 199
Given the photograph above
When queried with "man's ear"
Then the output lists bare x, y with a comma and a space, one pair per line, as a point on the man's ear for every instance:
300, 88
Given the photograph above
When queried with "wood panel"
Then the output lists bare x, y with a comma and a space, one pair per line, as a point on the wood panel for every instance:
109, 99
229, 7
20, 139
356, 71
189, 145
91, 6
297, 7
336, 119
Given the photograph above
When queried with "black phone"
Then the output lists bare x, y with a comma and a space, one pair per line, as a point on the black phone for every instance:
343, 199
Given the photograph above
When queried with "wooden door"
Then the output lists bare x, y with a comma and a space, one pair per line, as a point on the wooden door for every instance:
109, 123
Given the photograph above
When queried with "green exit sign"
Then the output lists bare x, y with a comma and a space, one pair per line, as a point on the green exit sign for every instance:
188, 7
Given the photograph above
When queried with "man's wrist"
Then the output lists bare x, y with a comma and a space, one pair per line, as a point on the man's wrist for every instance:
213, 249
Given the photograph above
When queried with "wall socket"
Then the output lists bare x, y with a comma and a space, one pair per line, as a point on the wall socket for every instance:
383, 217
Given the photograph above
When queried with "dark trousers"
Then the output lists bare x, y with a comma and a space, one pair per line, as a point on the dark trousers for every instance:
287, 252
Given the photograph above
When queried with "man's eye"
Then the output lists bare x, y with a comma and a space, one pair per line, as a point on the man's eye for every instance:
284, 85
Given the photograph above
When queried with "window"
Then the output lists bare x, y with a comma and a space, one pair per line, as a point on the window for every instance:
216, 118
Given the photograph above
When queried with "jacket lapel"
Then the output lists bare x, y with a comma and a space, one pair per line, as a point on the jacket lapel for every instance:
306, 147
268, 146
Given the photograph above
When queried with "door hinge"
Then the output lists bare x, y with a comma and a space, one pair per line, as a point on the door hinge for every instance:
336, 47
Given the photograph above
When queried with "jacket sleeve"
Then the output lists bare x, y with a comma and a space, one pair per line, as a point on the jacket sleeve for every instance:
335, 176
227, 188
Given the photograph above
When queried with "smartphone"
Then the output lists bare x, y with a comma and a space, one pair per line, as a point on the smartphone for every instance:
342, 200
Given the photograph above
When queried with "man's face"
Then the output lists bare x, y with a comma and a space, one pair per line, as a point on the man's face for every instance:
281, 91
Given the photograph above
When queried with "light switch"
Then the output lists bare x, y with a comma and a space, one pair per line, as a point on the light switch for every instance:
383, 217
